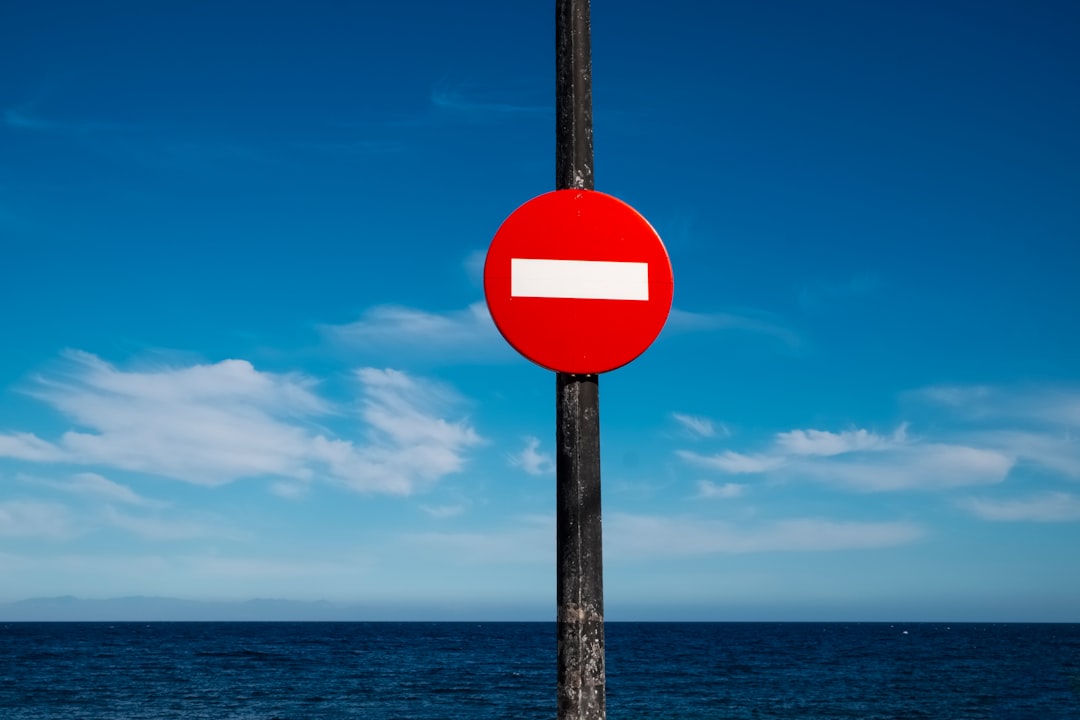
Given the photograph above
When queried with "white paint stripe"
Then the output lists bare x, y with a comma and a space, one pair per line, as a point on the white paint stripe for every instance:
579, 279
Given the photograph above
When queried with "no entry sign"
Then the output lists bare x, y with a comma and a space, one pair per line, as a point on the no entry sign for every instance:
578, 282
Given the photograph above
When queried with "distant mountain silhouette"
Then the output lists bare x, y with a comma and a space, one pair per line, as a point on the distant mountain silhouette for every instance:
67, 608
150, 609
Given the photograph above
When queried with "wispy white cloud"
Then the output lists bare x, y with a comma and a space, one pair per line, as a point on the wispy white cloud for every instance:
409, 445
955, 396
918, 466
454, 336
474, 267
985, 436
443, 511
709, 489
531, 460
864, 461
27, 446
732, 462
1036, 424
206, 424
34, 519
290, 490
1051, 405
212, 424
21, 119
698, 426
767, 325
823, 442
26, 118
158, 529
93, 485
458, 103
1056, 451
1047, 507
99, 503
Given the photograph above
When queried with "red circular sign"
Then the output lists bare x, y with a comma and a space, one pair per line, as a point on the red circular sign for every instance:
578, 282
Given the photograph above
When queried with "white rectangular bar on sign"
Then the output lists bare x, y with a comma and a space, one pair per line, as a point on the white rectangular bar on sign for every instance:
579, 279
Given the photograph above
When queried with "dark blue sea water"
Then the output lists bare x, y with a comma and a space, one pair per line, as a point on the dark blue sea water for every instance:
459, 671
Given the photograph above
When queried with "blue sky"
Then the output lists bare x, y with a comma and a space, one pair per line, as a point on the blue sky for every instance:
246, 355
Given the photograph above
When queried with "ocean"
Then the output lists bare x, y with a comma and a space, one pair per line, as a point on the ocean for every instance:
459, 671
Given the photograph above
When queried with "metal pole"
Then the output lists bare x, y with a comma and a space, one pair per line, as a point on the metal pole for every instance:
573, 96
579, 552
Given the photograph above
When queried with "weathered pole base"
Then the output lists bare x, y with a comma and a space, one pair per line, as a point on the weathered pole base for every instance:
582, 696
579, 554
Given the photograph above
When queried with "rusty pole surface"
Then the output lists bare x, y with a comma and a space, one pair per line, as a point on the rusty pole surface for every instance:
579, 552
